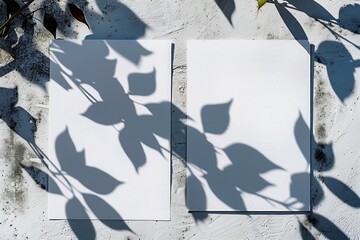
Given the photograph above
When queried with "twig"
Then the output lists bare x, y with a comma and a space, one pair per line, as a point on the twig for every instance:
30, 13
337, 34
15, 14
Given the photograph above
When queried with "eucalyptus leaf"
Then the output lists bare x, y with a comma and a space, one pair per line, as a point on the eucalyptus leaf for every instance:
77, 13
11, 7
50, 24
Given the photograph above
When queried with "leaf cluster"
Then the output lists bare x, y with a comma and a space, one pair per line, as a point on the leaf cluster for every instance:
14, 10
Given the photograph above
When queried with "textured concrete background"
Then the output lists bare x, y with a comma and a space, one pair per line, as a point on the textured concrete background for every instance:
333, 27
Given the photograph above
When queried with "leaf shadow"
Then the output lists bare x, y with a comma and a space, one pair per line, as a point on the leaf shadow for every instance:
340, 67
84, 228
73, 163
341, 75
326, 227
112, 106
342, 192
227, 7
124, 23
24, 124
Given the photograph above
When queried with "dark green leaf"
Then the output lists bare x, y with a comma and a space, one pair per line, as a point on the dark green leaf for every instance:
4, 31
11, 7
50, 24
77, 13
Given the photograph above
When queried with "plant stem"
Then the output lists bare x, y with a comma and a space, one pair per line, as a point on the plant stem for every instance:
15, 14
34, 11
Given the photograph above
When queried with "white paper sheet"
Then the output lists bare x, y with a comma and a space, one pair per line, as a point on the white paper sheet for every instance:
248, 137
109, 130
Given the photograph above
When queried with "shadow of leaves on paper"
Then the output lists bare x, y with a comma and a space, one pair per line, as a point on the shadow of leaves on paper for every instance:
141, 130
18, 119
73, 163
83, 229
20, 46
341, 74
215, 118
243, 175
301, 131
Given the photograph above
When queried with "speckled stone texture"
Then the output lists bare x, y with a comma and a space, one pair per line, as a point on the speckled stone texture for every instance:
333, 27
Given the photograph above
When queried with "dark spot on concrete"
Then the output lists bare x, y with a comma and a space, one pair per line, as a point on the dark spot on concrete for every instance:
15, 192
310, 221
19, 152
270, 36
39, 177
318, 59
324, 157
320, 155
39, 118
320, 132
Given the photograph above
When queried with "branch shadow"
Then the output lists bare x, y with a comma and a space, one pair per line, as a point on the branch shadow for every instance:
17, 118
24, 124
340, 67
247, 163
19, 49
341, 75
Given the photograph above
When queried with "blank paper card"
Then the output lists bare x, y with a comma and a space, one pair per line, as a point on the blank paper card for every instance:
109, 129
248, 134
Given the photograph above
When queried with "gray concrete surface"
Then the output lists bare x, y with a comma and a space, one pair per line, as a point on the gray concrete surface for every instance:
24, 73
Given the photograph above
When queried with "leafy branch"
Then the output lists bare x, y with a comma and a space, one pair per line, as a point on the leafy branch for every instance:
11, 7
14, 10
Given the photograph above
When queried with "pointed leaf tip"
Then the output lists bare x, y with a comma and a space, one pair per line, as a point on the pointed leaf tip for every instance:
11, 6
261, 3
78, 14
50, 24
216, 117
